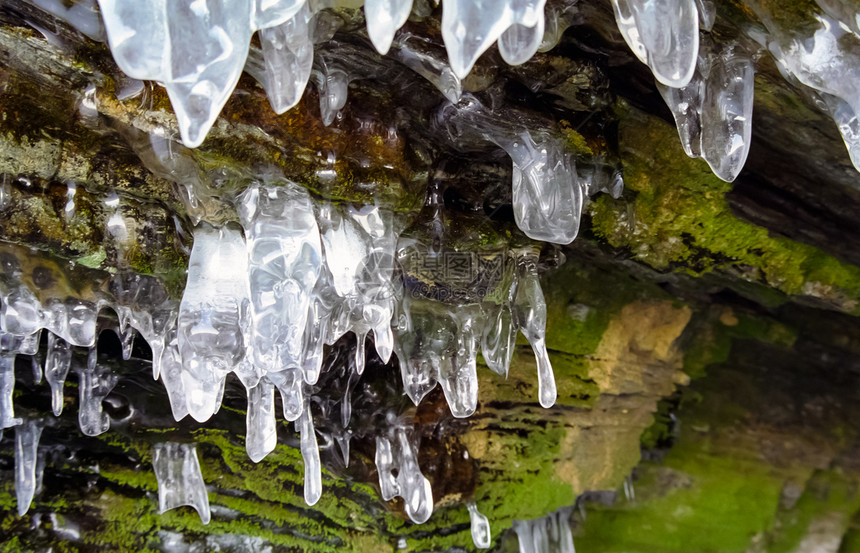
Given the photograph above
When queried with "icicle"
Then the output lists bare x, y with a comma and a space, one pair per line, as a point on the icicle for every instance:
288, 55
519, 43
727, 113
260, 434
333, 86
707, 10
548, 534
458, 373
664, 34
289, 384
284, 259
180, 481
126, 337
26, 448
7, 389
58, 359
213, 315
171, 375
469, 27
422, 338
94, 385
686, 106
530, 311
480, 527
310, 456
384, 17
394, 452
343, 439
499, 339
849, 127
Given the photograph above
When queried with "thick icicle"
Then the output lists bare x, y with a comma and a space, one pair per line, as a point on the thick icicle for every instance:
519, 43
384, 17
530, 312
499, 339
310, 456
260, 433
288, 55
213, 315
284, 259
727, 113
180, 481
195, 49
58, 359
394, 453
662, 33
93, 386
26, 448
458, 372
480, 527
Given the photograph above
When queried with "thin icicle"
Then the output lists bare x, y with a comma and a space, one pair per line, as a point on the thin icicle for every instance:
310, 456
26, 449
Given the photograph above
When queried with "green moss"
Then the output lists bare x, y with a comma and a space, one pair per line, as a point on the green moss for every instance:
93, 260
678, 219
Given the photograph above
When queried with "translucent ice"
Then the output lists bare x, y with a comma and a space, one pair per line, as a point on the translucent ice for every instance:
26, 448
727, 113
547, 192
58, 359
419, 55
469, 27
94, 385
195, 49
7, 389
480, 527
213, 315
400, 475
384, 17
284, 259
288, 55
310, 456
530, 313
550, 534
260, 433
519, 43
180, 481
333, 86
686, 106
458, 373
662, 33
499, 339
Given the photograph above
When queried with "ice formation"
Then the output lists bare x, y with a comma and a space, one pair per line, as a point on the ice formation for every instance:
26, 448
179, 479
713, 112
480, 527
399, 475
548, 534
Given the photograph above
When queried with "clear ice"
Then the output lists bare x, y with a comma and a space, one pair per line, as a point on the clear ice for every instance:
180, 481
480, 527
384, 17
400, 475
27, 436
662, 33
550, 534
94, 384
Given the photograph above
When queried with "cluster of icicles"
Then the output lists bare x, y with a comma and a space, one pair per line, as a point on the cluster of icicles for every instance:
262, 300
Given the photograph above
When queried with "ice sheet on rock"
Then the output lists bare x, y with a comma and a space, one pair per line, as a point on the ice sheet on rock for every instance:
727, 113
530, 314
180, 481
260, 431
93, 386
58, 360
547, 192
83, 16
288, 55
310, 456
662, 33
27, 436
395, 454
550, 534
419, 55
384, 17
284, 259
195, 49
480, 526
213, 315
844, 11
